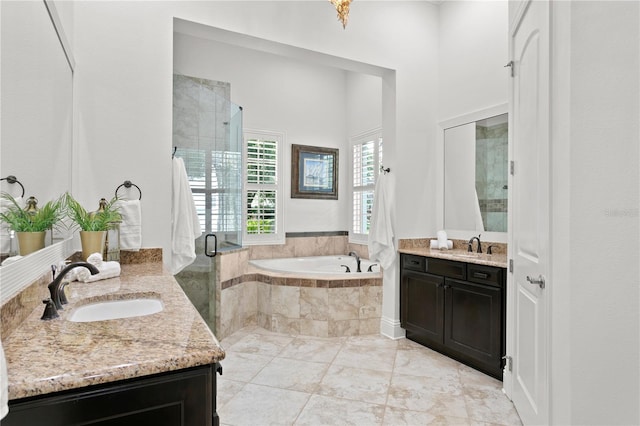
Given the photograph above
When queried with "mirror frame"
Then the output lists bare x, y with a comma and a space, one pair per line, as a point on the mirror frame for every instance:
464, 234
18, 275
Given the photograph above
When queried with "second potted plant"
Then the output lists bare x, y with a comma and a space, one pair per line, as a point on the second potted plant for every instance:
93, 225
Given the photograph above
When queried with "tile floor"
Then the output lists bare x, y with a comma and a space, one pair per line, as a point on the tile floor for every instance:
278, 379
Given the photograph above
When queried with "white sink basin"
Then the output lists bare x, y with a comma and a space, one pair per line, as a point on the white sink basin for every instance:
114, 309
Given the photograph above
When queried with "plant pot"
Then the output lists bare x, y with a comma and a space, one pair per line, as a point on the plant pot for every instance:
28, 242
92, 242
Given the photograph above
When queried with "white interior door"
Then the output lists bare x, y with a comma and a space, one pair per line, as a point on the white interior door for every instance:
530, 214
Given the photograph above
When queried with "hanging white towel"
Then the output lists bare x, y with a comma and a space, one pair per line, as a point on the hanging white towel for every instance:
381, 246
131, 226
4, 385
185, 225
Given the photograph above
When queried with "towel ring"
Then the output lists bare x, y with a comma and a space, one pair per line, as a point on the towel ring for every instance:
13, 179
129, 184
385, 171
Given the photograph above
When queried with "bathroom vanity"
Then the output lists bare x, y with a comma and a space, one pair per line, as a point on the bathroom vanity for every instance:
155, 369
454, 303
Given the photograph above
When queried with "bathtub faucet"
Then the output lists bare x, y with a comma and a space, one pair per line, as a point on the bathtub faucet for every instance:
354, 254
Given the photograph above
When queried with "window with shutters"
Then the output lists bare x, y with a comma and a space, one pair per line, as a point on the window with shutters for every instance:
263, 193
367, 158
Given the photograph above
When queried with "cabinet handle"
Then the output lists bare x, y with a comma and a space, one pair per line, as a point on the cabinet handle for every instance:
480, 275
446, 286
440, 285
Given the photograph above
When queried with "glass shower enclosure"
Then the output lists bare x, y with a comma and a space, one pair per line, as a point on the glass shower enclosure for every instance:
207, 135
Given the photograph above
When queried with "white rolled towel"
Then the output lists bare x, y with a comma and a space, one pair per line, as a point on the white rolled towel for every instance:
442, 240
434, 244
107, 270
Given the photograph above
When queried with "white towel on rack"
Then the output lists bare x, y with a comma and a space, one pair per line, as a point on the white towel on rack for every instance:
185, 225
131, 226
381, 246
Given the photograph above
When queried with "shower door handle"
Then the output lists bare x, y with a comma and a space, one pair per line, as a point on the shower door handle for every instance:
215, 245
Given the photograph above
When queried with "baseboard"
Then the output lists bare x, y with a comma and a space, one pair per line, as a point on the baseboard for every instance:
391, 328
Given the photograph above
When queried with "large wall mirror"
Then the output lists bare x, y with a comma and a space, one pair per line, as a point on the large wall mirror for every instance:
36, 84
475, 182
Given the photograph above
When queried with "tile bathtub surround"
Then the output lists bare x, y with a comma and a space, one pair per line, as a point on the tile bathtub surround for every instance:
301, 246
274, 378
316, 307
105, 351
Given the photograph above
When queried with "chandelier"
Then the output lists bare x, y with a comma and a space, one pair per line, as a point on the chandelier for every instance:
342, 6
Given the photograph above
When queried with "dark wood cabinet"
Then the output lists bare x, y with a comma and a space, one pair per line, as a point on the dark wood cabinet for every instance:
456, 308
180, 398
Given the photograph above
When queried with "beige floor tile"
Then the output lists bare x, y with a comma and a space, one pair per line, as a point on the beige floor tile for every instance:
226, 390
358, 384
292, 374
490, 406
375, 340
261, 344
398, 417
370, 357
426, 363
243, 367
312, 349
436, 396
359, 380
263, 405
326, 410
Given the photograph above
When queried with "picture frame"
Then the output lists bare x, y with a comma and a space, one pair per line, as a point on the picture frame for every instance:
314, 172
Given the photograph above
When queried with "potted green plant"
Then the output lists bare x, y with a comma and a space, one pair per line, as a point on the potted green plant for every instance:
93, 225
31, 225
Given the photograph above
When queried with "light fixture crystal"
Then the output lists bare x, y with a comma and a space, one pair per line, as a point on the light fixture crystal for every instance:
342, 7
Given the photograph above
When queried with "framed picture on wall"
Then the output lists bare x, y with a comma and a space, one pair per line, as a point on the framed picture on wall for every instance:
314, 172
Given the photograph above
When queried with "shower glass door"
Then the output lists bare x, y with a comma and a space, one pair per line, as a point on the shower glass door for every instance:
208, 136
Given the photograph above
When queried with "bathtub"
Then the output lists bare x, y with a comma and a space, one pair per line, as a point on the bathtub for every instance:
318, 265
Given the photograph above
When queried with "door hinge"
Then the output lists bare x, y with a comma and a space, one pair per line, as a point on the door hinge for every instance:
510, 65
510, 265
512, 167
508, 362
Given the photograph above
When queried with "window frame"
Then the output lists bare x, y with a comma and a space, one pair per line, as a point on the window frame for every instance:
279, 236
360, 139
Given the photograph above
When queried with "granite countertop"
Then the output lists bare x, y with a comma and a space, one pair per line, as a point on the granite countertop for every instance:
51, 356
498, 259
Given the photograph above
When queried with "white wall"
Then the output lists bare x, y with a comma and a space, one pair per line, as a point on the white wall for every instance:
305, 101
123, 81
472, 53
603, 173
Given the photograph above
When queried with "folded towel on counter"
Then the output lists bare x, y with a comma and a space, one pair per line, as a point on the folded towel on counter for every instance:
107, 270
435, 244
131, 226
442, 240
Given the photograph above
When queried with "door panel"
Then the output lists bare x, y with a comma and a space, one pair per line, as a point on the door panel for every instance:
530, 214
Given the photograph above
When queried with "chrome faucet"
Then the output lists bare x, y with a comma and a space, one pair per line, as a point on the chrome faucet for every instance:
471, 244
56, 288
353, 253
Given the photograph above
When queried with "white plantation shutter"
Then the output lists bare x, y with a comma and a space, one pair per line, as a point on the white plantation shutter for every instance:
263, 212
367, 158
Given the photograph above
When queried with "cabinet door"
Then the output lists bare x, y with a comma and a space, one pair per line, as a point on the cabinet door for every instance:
421, 307
181, 398
473, 320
